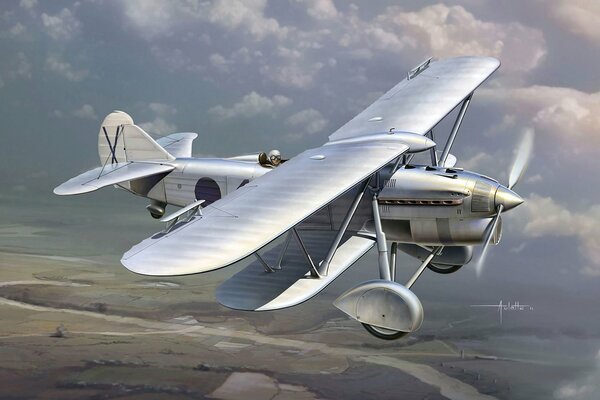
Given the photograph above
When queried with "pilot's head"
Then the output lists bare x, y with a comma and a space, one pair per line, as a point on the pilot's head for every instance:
275, 157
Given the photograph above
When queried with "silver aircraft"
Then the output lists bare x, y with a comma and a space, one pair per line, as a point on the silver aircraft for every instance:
306, 220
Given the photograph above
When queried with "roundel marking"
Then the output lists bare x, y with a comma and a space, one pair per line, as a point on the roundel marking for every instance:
208, 190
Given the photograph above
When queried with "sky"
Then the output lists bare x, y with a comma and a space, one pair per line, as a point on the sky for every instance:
254, 75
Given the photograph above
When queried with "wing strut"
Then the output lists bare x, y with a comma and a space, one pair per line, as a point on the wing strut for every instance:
324, 267
459, 118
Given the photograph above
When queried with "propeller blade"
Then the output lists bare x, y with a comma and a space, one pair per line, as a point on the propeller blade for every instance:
522, 158
489, 231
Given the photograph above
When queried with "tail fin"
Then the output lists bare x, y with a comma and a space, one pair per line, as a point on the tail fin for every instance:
119, 140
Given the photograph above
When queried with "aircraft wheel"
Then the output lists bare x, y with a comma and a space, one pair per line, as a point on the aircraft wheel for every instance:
385, 334
156, 216
446, 269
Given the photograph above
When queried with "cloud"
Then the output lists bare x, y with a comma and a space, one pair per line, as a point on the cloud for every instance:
21, 67
579, 17
86, 111
563, 116
155, 18
251, 105
446, 31
17, 30
583, 390
160, 124
310, 121
61, 26
247, 16
321, 9
545, 217
295, 56
66, 70
28, 4
162, 109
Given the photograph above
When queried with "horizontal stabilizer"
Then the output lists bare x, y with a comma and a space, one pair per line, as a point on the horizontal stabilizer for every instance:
178, 144
109, 175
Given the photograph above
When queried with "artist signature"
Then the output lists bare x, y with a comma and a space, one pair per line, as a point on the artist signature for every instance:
501, 307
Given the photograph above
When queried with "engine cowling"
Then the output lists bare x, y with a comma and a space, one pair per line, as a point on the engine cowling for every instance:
440, 206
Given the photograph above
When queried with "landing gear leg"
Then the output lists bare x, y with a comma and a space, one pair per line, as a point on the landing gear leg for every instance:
387, 271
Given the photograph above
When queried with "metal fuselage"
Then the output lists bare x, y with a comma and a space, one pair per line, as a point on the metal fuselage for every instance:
194, 179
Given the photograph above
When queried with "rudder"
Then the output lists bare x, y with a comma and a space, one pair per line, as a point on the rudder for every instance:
119, 140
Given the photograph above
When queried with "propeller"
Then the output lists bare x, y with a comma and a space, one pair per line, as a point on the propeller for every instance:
508, 199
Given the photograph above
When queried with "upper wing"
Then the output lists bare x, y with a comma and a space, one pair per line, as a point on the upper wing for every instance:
243, 222
416, 105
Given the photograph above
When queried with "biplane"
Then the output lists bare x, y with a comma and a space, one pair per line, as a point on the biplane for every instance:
302, 222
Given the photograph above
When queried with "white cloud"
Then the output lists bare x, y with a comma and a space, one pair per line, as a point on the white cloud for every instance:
158, 18
310, 121
569, 117
86, 111
61, 26
545, 217
219, 62
161, 109
154, 17
321, 9
159, 126
447, 31
66, 70
251, 105
580, 17
28, 4
297, 57
246, 15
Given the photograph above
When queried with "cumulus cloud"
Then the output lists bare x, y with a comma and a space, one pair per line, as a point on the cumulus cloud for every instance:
310, 121
294, 56
64, 69
321, 9
86, 111
61, 26
247, 15
160, 124
155, 18
545, 217
567, 116
579, 17
452, 30
251, 105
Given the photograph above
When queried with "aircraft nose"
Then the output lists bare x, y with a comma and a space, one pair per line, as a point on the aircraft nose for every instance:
507, 198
